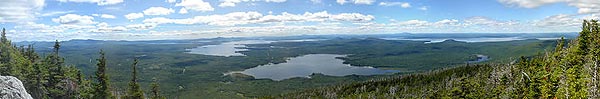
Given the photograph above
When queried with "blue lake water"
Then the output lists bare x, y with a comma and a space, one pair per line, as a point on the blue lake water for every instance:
304, 66
480, 58
225, 49
231, 48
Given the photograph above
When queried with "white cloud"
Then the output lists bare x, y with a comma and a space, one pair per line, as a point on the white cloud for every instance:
170, 1
32, 25
183, 11
109, 29
401, 4
228, 4
107, 16
103, 24
561, 20
287, 24
54, 13
275, 1
342, 2
241, 18
367, 2
229, 19
109, 2
423, 8
233, 3
411, 23
195, 5
487, 21
316, 1
559, 23
99, 2
19, 10
141, 26
585, 6
105, 28
74, 19
529, 3
132, 16
158, 11
446, 22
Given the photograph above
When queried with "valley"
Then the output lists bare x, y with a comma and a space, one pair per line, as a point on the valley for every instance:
238, 67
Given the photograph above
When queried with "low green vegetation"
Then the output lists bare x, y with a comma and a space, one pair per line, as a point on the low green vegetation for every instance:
570, 71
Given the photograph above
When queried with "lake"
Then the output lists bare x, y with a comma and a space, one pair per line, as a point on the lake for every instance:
231, 48
304, 66
225, 49
480, 58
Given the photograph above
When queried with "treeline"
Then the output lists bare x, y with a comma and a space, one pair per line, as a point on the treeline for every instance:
47, 77
568, 72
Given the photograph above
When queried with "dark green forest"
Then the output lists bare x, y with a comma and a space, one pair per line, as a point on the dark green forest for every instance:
570, 71
47, 76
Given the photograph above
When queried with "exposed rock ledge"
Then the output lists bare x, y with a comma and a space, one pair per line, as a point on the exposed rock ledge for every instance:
12, 88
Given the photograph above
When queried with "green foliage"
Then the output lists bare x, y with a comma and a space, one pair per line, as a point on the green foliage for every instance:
50, 78
55, 77
134, 92
102, 86
155, 91
43, 78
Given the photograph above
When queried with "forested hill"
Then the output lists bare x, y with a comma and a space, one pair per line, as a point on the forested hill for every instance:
47, 76
568, 72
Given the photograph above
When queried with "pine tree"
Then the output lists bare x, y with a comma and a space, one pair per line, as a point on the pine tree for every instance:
35, 75
56, 73
102, 86
595, 59
556, 69
42, 78
155, 90
86, 90
4, 39
134, 92
6, 67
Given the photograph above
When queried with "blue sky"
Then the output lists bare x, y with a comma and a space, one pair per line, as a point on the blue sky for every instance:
46, 20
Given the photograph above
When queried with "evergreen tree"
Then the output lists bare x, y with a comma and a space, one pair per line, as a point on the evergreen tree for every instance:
3, 39
35, 75
134, 92
155, 90
43, 78
86, 90
595, 60
102, 86
54, 63
6, 67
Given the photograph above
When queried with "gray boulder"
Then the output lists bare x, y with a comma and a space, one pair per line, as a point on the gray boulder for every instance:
12, 88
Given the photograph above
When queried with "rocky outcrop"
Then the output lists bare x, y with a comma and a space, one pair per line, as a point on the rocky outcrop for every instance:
12, 88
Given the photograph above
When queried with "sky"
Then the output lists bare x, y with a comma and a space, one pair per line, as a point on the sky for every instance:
48, 20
